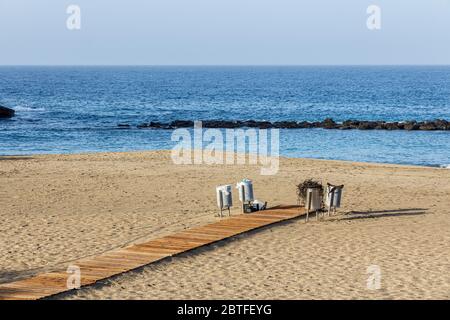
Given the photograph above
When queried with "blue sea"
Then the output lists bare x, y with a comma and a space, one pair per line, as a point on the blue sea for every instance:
77, 109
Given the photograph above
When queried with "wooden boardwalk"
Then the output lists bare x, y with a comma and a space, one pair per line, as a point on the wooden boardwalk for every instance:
116, 262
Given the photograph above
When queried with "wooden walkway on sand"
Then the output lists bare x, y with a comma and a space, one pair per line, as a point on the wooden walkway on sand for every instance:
116, 262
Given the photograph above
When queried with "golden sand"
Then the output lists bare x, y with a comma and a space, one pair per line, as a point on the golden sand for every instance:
59, 208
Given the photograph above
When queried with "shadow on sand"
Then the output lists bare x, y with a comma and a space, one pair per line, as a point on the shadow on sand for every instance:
15, 158
384, 213
7, 276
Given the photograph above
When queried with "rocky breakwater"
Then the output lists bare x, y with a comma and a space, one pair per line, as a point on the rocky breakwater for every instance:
325, 124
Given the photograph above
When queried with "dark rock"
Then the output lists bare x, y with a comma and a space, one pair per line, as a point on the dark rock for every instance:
304, 125
285, 125
442, 124
351, 124
367, 125
380, 125
159, 125
182, 124
411, 125
347, 123
251, 124
257, 124
428, 126
6, 112
329, 123
393, 126
220, 124
154, 124
211, 124
234, 124
265, 125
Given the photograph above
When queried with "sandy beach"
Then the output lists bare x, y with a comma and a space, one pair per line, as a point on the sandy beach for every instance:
59, 208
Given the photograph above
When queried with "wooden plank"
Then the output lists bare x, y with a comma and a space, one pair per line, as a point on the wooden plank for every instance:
176, 243
245, 222
205, 237
122, 260
124, 263
98, 274
188, 239
32, 288
129, 256
58, 275
212, 233
149, 247
102, 267
15, 294
194, 238
151, 256
227, 231
167, 248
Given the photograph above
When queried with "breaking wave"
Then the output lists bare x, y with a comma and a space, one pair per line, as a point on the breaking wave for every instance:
27, 109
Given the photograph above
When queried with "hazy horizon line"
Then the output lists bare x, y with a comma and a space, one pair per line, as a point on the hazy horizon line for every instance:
225, 65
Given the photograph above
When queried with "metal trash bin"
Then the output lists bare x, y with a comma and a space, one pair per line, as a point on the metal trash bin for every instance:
333, 197
313, 201
245, 189
224, 198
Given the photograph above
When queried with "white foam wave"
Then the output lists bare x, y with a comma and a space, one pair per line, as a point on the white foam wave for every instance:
445, 166
27, 109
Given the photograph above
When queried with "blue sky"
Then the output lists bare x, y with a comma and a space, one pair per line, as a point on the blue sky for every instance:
224, 32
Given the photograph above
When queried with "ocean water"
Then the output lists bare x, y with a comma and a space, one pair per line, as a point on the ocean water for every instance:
77, 109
